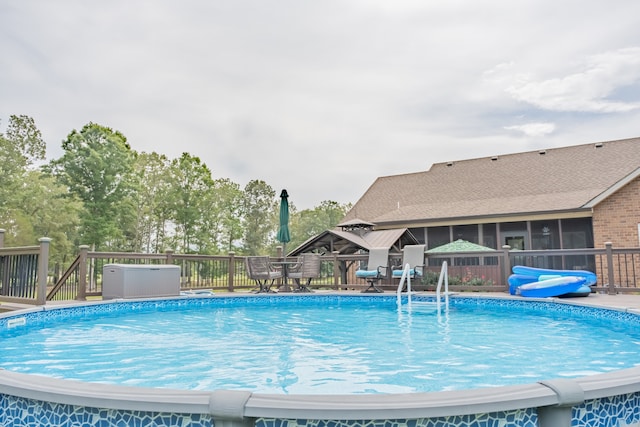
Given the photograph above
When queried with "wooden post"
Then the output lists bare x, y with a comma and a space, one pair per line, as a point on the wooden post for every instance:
82, 273
43, 270
232, 269
169, 254
336, 270
506, 267
2, 237
610, 271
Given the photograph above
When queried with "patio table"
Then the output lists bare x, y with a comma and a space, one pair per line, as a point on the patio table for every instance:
285, 267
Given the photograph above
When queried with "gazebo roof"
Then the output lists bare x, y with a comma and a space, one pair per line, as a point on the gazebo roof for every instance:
348, 242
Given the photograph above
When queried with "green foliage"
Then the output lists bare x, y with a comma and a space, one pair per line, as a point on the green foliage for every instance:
96, 166
259, 209
311, 222
32, 204
430, 278
26, 138
100, 192
52, 213
20, 147
191, 183
152, 211
222, 216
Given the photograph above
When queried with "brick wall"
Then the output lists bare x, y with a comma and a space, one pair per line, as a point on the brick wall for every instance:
616, 219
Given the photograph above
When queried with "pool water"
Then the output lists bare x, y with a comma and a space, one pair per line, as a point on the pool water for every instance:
334, 345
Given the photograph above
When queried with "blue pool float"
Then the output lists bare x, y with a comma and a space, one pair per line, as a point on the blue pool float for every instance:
517, 280
590, 277
541, 282
559, 286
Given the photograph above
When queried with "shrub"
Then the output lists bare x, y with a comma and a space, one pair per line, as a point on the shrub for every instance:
430, 278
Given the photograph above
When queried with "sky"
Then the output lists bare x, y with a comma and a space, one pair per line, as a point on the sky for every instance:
323, 97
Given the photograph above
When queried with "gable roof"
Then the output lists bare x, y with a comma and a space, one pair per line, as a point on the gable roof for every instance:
348, 242
567, 179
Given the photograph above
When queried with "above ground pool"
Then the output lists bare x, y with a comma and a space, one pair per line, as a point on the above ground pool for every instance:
321, 360
320, 344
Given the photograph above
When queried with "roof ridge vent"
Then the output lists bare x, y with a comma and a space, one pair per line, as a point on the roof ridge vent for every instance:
449, 163
542, 152
494, 158
598, 145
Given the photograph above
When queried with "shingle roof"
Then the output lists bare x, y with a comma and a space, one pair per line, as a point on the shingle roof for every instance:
557, 179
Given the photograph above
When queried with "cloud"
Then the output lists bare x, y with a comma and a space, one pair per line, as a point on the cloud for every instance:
586, 90
323, 97
534, 129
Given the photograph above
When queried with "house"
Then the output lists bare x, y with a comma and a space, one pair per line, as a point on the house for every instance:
561, 198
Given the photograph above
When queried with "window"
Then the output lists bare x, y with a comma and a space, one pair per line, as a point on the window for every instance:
489, 236
466, 232
545, 235
577, 233
437, 236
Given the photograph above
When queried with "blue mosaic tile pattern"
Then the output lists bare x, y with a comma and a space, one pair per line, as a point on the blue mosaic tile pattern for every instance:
616, 411
520, 418
20, 412
53, 314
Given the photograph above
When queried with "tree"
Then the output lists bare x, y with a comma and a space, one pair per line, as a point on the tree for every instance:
311, 222
25, 195
27, 139
153, 182
11, 172
49, 211
191, 183
20, 148
259, 207
96, 167
222, 215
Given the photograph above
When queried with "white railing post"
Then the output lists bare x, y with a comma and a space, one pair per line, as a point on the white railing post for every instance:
406, 276
444, 277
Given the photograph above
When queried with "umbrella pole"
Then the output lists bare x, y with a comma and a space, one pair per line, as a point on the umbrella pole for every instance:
285, 267
283, 233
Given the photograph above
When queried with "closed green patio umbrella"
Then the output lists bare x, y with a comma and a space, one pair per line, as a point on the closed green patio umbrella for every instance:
283, 232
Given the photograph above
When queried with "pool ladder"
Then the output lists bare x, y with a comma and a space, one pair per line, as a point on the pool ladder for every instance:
442, 279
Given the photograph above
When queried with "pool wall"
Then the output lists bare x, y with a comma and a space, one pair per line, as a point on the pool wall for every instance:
604, 400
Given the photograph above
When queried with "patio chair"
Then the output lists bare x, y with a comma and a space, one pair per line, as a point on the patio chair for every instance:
308, 268
414, 256
376, 269
259, 268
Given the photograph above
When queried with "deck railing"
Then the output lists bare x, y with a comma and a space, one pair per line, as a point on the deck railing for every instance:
214, 272
23, 271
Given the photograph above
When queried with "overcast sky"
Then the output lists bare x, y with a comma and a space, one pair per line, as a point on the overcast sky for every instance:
322, 97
